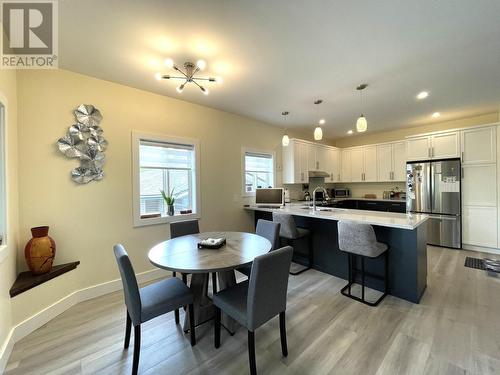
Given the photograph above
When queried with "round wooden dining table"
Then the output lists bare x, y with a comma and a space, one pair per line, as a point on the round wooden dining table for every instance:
182, 255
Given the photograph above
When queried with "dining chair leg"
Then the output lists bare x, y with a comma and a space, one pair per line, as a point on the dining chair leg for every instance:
251, 353
214, 283
128, 328
137, 349
184, 278
217, 328
284, 347
191, 325
177, 318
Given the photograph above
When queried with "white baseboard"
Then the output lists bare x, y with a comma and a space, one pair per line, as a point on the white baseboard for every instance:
481, 249
47, 314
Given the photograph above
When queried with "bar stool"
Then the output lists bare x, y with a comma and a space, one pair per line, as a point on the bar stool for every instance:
359, 240
291, 233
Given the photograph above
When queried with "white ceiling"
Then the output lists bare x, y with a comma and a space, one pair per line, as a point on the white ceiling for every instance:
281, 55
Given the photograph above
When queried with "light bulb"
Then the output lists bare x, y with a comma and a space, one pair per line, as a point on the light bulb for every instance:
322, 121
285, 141
158, 76
436, 115
422, 95
180, 88
318, 133
169, 63
361, 124
201, 64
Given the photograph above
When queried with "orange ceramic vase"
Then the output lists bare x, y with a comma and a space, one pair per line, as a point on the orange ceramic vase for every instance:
40, 251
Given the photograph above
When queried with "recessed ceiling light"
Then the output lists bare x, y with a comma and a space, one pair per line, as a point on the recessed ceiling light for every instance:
322, 121
422, 95
436, 114
349, 132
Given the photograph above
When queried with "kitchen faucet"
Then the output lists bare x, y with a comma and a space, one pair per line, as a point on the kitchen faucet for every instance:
314, 195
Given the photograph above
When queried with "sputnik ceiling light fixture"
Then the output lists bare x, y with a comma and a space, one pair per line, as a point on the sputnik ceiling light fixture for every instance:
361, 123
285, 141
318, 132
188, 75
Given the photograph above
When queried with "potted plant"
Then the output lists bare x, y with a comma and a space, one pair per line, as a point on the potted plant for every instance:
169, 200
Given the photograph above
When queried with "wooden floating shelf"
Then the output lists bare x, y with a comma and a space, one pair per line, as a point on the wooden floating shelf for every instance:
26, 280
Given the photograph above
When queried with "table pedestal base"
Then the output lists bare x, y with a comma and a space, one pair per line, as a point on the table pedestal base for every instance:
203, 308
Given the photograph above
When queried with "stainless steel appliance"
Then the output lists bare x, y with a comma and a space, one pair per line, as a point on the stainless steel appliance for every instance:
433, 188
341, 193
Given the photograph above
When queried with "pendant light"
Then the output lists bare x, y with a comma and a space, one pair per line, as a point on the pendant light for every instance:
285, 141
361, 123
318, 132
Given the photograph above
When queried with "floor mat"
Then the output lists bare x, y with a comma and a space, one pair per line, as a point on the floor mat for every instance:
490, 265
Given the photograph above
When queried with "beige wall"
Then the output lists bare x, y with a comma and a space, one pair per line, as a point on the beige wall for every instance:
8, 97
394, 135
86, 220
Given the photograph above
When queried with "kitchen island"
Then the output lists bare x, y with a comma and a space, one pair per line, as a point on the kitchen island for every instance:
404, 233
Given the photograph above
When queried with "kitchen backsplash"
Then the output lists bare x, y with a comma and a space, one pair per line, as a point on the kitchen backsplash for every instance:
358, 190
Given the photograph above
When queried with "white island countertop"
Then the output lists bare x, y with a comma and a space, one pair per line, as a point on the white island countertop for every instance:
382, 219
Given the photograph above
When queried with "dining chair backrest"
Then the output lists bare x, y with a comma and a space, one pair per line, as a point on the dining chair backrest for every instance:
268, 286
269, 230
357, 238
288, 227
183, 228
130, 287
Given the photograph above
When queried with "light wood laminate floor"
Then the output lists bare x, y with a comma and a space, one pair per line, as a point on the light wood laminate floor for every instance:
455, 330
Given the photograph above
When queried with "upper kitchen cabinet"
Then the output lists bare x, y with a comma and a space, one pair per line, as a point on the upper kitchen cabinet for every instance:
363, 164
357, 166
345, 165
479, 146
295, 162
435, 146
333, 164
391, 162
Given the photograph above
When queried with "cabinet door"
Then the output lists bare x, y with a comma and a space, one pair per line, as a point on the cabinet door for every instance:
335, 154
479, 226
357, 164
479, 185
399, 161
301, 160
384, 162
445, 145
479, 146
346, 174
418, 148
312, 161
370, 163
323, 159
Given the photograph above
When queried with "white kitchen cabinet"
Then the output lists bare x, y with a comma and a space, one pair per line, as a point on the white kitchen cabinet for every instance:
445, 145
391, 162
479, 226
346, 173
295, 168
323, 158
370, 164
479, 185
399, 161
418, 148
435, 146
333, 165
312, 163
479, 146
357, 164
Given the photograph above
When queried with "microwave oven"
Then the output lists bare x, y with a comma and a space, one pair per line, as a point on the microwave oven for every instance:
341, 193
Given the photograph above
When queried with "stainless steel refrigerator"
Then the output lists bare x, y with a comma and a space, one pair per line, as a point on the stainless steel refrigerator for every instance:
433, 188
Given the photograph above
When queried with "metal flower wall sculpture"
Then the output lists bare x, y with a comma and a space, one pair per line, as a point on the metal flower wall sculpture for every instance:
84, 141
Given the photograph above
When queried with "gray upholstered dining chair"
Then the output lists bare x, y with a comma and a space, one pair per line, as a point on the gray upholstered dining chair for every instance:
255, 301
269, 230
153, 300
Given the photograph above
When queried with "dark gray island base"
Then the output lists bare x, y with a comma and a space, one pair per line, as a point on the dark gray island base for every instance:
407, 255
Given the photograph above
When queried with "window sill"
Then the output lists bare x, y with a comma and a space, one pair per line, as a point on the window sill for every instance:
164, 219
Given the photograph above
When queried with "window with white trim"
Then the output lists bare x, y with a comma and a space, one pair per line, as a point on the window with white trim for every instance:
258, 171
3, 198
165, 164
